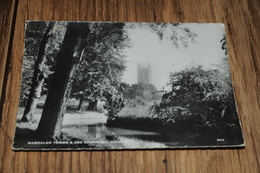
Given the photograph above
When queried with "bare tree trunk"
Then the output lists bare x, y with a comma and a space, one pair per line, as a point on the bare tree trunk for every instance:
92, 106
38, 79
59, 92
83, 104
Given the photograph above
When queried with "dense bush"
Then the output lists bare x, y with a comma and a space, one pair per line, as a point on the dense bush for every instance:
204, 96
114, 103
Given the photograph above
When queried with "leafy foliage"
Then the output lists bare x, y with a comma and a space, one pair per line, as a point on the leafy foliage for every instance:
179, 34
103, 62
132, 91
33, 36
223, 42
204, 95
146, 91
114, 104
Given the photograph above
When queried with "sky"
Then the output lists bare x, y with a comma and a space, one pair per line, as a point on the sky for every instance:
165, 58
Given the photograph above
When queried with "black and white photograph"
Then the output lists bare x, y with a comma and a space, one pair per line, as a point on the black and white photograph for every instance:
111, 85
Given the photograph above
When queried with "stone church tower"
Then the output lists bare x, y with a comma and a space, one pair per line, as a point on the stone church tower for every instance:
143, 73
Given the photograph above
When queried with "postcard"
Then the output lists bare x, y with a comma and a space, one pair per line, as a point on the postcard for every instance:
114, 86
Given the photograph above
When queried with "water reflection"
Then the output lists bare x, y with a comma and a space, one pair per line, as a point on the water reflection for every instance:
131, 142
126, 137
95, 130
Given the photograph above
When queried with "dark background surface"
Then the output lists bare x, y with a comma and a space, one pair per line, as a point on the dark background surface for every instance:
242, 20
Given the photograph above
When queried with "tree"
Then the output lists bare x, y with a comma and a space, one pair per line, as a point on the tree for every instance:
179, 34
149, 91
103, 64
146, 91
67, 61
38, 78
99, 72
40, 44
202, 95
133, 91
114, 104
223, 42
